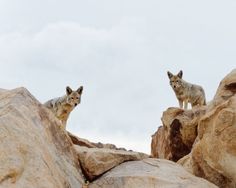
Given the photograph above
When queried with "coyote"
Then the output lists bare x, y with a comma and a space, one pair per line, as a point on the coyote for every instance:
186, 92
62, 106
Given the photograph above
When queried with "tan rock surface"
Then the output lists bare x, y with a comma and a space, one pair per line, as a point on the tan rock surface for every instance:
84, 142
175, 138
34, 151
213, 156
150, 173
186, 163
226, 89
81, 141
159, 144
97, 161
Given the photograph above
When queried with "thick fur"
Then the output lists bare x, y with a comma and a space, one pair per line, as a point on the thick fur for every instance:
186, 92
62, 106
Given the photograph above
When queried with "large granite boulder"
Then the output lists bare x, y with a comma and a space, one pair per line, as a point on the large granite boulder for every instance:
34, 150
175, 138
97, 161
214, 153
150, 173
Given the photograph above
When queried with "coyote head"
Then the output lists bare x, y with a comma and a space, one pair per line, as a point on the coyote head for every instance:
73, 97
175, 80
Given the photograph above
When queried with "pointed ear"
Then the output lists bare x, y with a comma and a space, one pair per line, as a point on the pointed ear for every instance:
169, 74
80, 90
180, 74
68, 90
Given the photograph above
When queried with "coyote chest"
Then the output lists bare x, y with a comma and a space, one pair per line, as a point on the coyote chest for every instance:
184, 93
62, 106
62, 111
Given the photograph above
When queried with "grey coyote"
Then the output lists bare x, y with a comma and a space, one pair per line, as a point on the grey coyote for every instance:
62, 106
186, 92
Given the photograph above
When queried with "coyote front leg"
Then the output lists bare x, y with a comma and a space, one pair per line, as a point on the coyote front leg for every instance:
64, 123
185, 105
180, 104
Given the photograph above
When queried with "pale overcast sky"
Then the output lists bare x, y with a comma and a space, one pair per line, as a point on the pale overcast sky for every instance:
120, 52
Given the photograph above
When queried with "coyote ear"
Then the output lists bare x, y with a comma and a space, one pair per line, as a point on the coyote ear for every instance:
169, 74
80, 90
68, 90
180, 74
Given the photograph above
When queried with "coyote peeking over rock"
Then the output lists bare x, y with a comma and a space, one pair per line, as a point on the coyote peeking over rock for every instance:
186, 92
62, 106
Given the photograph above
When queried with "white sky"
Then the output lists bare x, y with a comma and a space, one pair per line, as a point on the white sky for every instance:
120, 52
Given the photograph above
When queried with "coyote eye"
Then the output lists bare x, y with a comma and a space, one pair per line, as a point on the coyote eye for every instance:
72, 97
77, 97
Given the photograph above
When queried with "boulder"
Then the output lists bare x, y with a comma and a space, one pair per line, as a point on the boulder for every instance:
226, 89
159, 144
34, 150
81, 141
84, 142
97, 161
175, 138
150, 173
214, 154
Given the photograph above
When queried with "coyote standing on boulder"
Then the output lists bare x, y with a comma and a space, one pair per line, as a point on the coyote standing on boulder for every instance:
186, 92
62, 106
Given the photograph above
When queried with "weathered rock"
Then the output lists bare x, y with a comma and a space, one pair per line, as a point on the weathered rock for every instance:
34, 150
108, 146
84, 142
213, 156
97, 161
226, 89
160, 145
175, 138
186, 163
81, 141
150, 173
